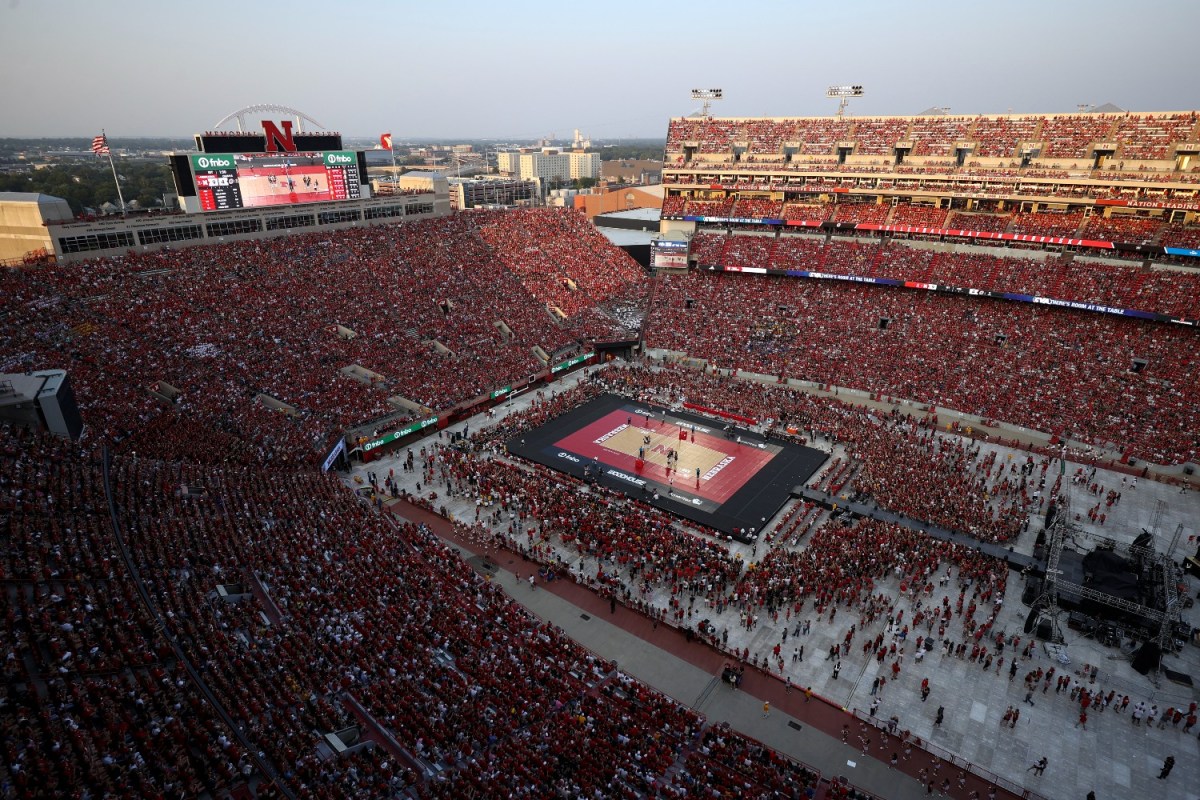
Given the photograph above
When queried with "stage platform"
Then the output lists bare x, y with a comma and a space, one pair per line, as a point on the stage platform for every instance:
727, 478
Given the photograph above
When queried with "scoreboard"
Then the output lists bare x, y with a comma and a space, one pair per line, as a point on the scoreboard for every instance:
226, 181
666, 254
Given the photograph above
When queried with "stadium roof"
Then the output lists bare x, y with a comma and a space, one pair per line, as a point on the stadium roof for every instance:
27, 197
624, 238
646, 214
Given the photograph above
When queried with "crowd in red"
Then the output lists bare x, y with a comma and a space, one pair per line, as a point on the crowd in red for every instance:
862, 213
1069, 136
1124, 228
1146, 137
1180, 235
1001, 360
1063, 224
389, 617
805, 211
758, 208
990, 223
902, 464
1118, 285
1064, 135
920, 216
937, 135
638, 547
840, 567
228, 323
561, 258
93, 698
470, 692
1121, 228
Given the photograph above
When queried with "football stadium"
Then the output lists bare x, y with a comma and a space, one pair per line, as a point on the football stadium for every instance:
880, 481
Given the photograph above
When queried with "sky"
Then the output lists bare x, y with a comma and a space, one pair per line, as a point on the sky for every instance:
517, 69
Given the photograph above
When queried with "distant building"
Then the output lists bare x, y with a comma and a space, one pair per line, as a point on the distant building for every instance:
641, 171
548, 164
584, 165
421, 181
23, 218
619, 198
495, 190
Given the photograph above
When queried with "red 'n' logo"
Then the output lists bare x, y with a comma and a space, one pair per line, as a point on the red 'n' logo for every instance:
279, 139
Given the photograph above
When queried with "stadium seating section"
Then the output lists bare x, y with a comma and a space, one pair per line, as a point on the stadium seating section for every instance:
388, 630
1002, 360
1137, 136
126, 670
1124, 228
224, 324
1162, 291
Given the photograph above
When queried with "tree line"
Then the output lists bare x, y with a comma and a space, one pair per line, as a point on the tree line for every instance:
86, 186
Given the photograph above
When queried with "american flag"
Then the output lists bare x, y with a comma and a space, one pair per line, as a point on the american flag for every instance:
100, 145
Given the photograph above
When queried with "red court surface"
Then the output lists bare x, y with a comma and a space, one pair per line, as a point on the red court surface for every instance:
744, 478
616, 439
258, 190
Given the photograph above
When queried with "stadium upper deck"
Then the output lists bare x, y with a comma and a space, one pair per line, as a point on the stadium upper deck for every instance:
1143, 165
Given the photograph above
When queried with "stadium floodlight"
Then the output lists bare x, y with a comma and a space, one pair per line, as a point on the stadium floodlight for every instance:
707, 95
844, 95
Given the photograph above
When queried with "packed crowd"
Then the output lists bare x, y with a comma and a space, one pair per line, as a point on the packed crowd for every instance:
228, 324
805, 211
1123, 228
390, 618
1001, 360
1063, 224
465, 691
1121, 285
1146, 137
1137, 136
93, 697
1000, 136
989, 223
861, 213
909, 598
921, 216
637, 547
1180, 235
1070, 136
561, 258
877, 136
758, 208
936, 136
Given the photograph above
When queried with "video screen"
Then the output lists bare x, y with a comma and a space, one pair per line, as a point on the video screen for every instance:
250, 180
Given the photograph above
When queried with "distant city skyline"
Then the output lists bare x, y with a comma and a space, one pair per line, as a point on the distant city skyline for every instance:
524, 70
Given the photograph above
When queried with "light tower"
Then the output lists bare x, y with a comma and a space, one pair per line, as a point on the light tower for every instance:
844, 94
707, 95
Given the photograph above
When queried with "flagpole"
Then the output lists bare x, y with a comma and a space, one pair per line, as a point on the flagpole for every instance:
116, 180
395, 170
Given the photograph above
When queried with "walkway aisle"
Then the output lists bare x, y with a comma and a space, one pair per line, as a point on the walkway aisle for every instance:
662, 657
1105, 757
